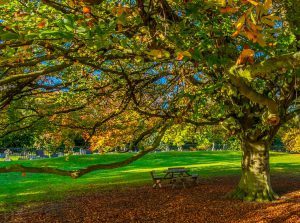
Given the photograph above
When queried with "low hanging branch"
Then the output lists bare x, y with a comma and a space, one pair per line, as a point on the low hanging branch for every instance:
78, 173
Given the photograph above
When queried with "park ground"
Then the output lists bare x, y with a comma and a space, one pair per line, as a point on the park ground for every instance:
125, 194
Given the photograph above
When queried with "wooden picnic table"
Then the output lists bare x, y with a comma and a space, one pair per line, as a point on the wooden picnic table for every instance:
178, 176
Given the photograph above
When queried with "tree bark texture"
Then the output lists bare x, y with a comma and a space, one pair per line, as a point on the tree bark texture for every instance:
255, 184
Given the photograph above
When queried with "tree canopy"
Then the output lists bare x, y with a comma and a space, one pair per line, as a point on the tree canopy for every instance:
136, 68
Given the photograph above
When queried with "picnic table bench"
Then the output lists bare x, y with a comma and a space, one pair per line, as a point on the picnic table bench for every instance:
177, 176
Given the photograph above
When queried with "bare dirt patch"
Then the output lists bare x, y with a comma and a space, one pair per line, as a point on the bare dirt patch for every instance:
203, 203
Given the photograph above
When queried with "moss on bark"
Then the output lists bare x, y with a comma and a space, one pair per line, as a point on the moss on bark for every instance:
255, 184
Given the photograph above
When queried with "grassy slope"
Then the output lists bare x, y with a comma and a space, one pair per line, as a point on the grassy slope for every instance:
16, 189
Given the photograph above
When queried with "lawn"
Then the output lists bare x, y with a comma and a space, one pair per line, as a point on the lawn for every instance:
30, 189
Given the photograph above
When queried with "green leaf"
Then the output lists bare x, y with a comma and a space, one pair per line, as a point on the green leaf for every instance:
8, 36
56, 34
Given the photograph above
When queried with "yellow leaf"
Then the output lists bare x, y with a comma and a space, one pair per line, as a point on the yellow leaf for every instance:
71, 3
156, 53
252, 18
272, 17
230, 2
166, 54
268, 4
187, 54
245, 74
120, 27
267, 21
239, 24
221, 3
253, 2
259, 28
260, 40
260, 11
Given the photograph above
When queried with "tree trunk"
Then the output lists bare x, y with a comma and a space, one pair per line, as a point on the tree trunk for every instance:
255, 182
213, 147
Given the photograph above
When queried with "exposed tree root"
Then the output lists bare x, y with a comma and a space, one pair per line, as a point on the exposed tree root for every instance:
259, 196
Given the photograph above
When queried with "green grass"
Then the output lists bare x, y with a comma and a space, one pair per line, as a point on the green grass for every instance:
15, 189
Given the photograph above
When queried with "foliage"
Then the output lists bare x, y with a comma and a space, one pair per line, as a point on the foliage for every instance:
291, 139
114, 46
277, 144
53, 141
119, 132
23, 139
92, 68
179, 134
234, 144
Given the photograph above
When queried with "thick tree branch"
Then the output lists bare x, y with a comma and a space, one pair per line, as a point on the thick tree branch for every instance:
35, 74
275, 64
272, 65
80, 172
250, 93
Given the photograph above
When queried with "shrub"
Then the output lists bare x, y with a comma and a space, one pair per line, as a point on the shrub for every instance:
291, 140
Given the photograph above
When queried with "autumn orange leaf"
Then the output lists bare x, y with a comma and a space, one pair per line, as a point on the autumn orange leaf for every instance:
228, 10
86, 10
180, 56
272, 44
247, 55
251, 36
235, 34
119, 10
41, 24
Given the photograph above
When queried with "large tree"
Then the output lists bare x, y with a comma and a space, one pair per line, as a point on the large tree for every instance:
89, 65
